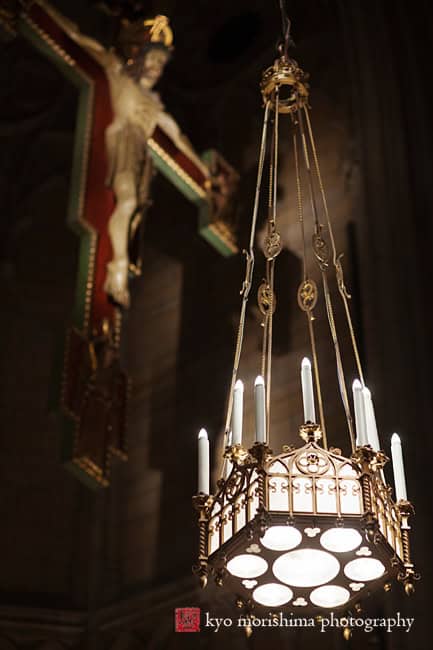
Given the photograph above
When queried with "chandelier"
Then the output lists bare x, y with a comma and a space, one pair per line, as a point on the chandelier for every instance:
307, 529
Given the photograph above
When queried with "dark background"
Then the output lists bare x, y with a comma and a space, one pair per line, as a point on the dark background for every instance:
80, 569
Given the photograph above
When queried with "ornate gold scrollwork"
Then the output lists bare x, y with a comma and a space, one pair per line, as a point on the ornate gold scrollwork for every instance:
307, 295
321, 249
273, 245
266, 298
235, 484
312, 463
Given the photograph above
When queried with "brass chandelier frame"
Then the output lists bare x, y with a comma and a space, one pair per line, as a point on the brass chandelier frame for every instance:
248, 502
312, 488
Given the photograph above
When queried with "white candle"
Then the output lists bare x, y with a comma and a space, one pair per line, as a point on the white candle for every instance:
203, 462
237, 413
372, 435
398, 468
360, 417
259, 397
307, 391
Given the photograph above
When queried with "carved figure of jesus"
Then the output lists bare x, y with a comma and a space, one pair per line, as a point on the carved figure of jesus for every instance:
132, 69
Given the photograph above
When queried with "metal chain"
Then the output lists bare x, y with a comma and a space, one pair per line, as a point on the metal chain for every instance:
340, 370
246, 286
270, 280
270, 263
266, 316
285, 28
309, 313
322, 261
300, 206
336, 258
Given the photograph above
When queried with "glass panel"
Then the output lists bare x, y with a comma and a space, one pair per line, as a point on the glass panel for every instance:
247, 566
347, 471
306, 567
329, 596
278, 493
277, 467
302, 494
326, 495
350, 496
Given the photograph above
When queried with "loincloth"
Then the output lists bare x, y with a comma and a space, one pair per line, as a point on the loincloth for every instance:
126, 151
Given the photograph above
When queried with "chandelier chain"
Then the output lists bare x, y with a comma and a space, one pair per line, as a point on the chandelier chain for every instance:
322, 260
340, 370
271, 251
267, 296
317, 224
249, 268
308, 312
270, 280
286, 25
300, 206
345, 296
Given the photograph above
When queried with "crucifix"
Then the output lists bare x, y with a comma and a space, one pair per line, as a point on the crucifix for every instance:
122, 134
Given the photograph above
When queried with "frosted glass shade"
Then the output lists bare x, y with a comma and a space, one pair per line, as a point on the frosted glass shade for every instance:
329, 596
272, 594
306, 567
281, 538
247, 566
340, 540
364, 568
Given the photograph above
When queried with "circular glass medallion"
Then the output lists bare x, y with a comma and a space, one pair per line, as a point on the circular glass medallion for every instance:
340, 540
272, 594
281, 538
329, 596
364, 568
247, 566
306, 567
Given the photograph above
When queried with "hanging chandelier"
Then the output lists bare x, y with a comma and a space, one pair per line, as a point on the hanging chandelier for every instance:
307, 529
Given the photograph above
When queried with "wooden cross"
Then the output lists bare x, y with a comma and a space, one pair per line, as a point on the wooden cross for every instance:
95, 387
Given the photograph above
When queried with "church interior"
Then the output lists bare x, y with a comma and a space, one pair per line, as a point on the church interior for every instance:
98, 554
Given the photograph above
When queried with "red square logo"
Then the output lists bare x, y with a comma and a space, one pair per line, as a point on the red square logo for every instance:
187, 619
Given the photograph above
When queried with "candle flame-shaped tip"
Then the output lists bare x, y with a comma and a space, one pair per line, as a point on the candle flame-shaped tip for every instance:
356, 385
306, 363
239, 385
395, 439
366, 391
202, 434
259, 381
